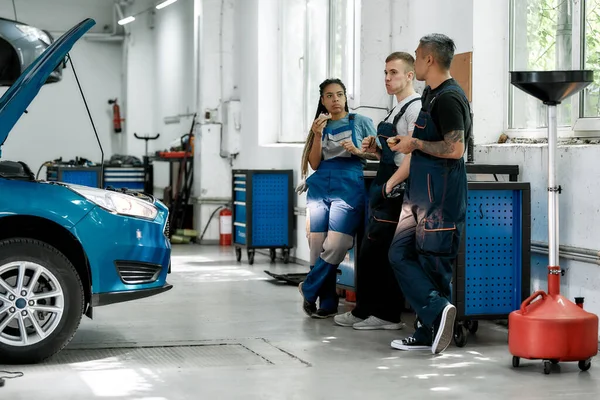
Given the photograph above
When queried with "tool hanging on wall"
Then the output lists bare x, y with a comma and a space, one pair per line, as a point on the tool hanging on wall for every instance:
116, 116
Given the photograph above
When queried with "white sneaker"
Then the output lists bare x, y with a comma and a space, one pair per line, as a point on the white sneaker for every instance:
346, 319
443, 330
373, 323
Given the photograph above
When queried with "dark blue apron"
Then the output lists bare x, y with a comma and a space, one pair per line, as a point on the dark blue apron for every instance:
438, 187
382, 208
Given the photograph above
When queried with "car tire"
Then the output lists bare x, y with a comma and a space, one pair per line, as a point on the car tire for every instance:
58, 270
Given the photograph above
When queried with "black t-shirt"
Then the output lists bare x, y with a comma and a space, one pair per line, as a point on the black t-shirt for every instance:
450, 111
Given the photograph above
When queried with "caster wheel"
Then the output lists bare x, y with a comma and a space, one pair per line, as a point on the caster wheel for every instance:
585, 364
286, 256
472, 326
250, 257
272, 254
460, 337
547, 367
516, 361
238, 254
554, 362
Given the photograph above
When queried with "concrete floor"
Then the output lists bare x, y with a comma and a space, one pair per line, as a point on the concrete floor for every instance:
227, 331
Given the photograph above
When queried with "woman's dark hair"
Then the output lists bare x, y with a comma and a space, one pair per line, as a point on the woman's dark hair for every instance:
320, 110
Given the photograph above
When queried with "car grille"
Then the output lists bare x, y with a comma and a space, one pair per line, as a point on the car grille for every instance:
133, 273
167, 230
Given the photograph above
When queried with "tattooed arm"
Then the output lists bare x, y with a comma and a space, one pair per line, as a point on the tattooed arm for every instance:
453, 145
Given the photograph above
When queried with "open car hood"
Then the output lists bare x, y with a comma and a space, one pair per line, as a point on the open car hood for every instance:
20, 95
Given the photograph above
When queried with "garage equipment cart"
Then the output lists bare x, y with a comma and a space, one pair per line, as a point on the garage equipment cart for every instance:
263, 212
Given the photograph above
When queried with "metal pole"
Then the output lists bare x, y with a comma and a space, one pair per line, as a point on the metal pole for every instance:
552, 189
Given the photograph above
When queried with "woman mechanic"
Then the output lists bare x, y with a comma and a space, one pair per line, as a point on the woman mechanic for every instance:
336, 193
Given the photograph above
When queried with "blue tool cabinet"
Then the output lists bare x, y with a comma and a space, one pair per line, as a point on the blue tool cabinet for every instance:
76, 175
132, 178
263, 212
493, 268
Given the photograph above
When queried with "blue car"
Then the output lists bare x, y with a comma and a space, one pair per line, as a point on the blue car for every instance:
65, 249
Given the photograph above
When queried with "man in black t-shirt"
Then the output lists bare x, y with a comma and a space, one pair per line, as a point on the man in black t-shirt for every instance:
433, 214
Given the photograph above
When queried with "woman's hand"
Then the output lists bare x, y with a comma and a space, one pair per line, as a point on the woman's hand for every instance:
319, 124
350, 147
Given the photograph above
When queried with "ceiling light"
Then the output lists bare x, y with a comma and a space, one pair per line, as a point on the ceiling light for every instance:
126, 20
165, 3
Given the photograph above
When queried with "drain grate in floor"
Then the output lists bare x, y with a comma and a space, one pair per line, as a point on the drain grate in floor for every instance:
156, 358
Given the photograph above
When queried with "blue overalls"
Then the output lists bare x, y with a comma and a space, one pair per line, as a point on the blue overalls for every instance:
336, 201
428, 236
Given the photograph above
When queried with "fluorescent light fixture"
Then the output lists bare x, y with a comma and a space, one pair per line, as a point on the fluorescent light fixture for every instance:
165, 3
126, 20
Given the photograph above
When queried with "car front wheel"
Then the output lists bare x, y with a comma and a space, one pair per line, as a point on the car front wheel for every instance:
41, 301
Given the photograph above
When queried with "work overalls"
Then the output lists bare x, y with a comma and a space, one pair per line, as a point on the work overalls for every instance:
336, 202
377, 290
427, 239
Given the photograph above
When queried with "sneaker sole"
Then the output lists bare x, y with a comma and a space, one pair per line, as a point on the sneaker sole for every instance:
323, 316
401, 346
394, 327
446, 330
349, 325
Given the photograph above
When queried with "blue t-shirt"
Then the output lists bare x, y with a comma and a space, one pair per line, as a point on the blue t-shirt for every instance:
332, 136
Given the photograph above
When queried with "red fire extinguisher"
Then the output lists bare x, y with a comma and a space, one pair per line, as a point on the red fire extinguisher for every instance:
225, 227
116, 116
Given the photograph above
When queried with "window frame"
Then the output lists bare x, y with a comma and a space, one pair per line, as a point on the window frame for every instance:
350, 81
581, 126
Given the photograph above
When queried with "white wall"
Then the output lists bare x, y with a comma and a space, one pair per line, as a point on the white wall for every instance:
57, 124
160, 77
578, 204
168, 80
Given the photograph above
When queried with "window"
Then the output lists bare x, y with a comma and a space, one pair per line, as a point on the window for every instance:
554, 35
591, 31
317, 41
344, 37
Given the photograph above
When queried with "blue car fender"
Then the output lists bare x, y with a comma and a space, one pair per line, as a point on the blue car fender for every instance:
49, 201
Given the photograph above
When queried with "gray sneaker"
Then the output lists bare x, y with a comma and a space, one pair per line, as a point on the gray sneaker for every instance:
346, 319
373, 323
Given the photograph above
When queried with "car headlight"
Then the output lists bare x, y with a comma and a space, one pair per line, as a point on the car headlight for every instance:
117, 202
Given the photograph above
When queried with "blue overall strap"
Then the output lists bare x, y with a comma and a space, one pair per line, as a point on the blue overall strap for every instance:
351, 119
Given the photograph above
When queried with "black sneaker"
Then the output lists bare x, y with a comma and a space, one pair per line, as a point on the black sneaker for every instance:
308, 307
410, 343
323, 313
443, 329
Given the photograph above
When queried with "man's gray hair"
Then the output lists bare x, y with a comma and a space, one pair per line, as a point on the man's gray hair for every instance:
441, 47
